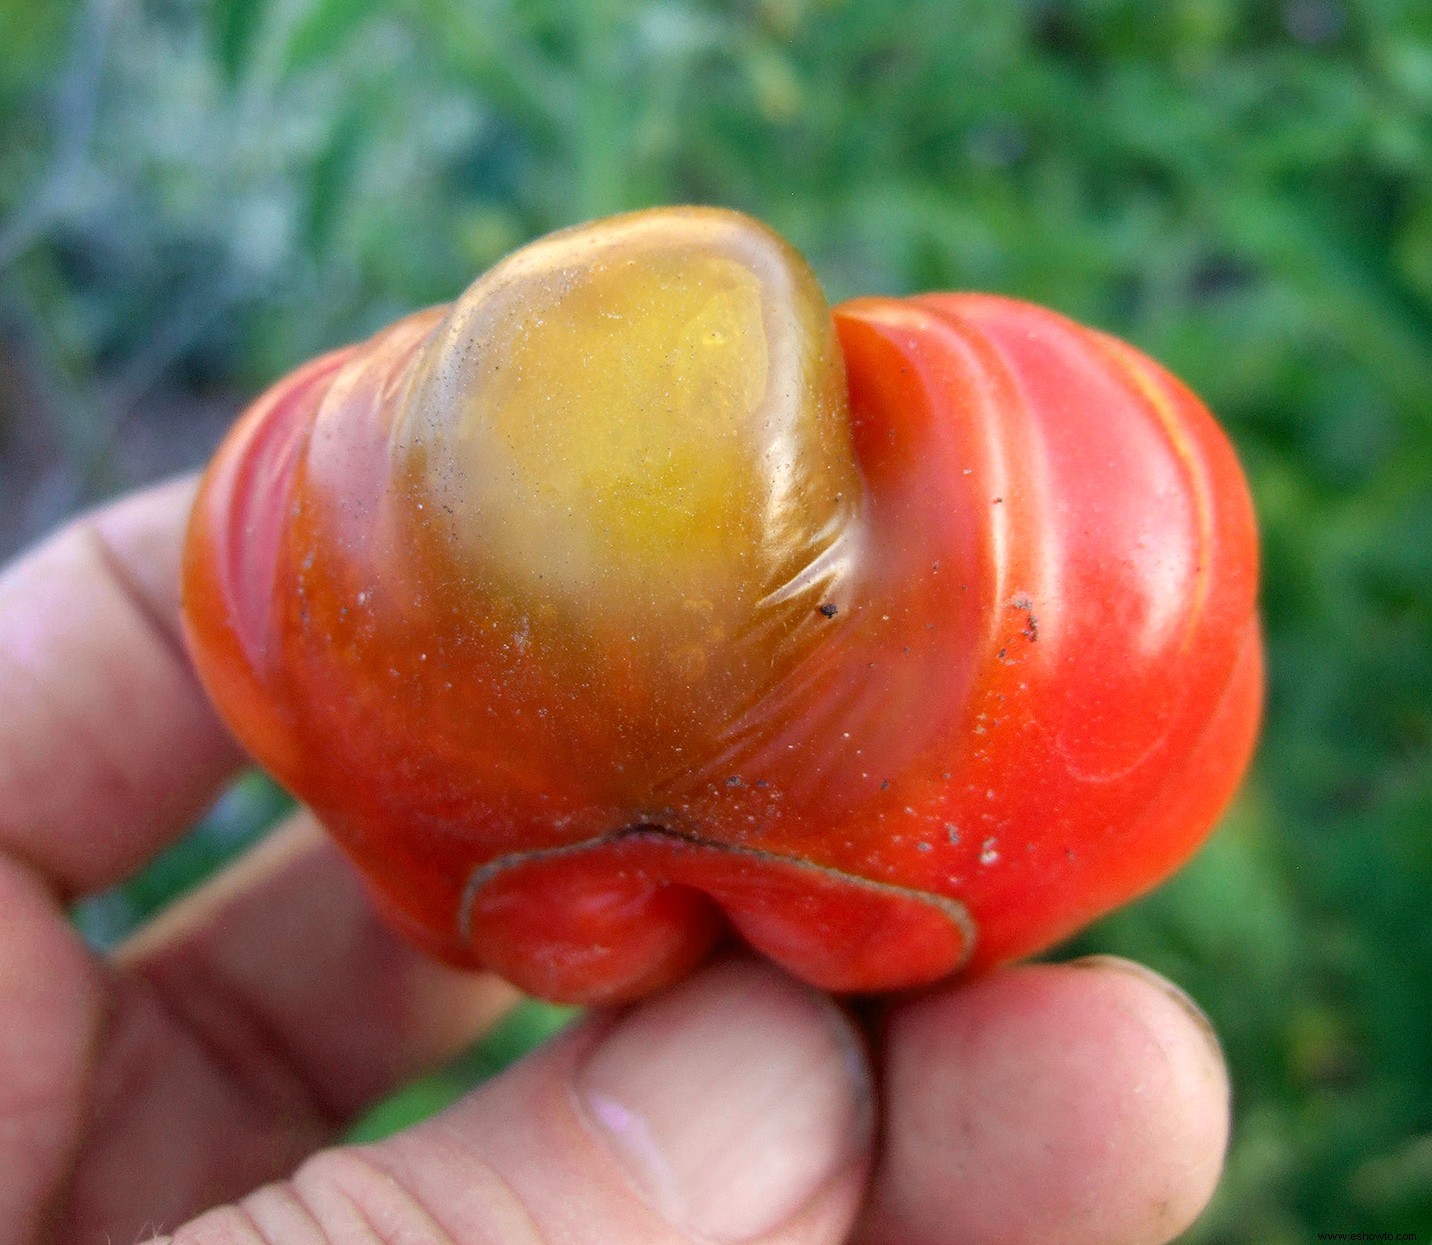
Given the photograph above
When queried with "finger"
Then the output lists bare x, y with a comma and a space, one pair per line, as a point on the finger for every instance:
730, 1108
108, 747
290, 938
249, 1025
1085, 1104
51, 1021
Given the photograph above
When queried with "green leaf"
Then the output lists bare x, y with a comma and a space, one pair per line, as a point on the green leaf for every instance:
322, 31
237, 23
332, 173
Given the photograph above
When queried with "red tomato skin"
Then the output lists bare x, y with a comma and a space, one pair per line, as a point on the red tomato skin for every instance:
1037, 690
1118, 693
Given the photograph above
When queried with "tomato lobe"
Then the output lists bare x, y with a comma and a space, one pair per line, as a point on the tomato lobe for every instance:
635, 597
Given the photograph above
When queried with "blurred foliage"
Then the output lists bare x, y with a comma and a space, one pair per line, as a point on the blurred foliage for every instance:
198, 195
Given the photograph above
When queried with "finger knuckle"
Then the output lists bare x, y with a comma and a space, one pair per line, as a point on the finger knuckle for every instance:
389, 1188
348, 1196
336, 1196
353, 1197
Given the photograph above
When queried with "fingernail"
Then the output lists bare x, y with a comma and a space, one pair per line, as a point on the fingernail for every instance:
1195, 1013
731, 1100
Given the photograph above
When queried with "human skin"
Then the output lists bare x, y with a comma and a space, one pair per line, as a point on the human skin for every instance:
207, 1068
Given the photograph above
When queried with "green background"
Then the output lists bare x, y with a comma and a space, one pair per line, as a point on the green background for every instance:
194, 197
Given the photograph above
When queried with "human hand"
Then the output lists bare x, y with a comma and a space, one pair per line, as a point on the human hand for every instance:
209, 1062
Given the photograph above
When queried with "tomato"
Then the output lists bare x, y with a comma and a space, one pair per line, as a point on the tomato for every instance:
636, 598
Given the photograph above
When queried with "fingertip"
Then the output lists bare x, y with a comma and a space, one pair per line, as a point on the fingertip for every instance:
101, 692
145, 532
1078, 1103
1185, 1018
730, 1100
732, 1107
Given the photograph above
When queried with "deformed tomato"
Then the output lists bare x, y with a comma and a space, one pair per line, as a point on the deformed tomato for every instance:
635, 597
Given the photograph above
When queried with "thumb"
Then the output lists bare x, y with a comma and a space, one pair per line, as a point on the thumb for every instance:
733, 1107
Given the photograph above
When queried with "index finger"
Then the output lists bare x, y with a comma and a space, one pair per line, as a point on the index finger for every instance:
108, 746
